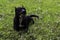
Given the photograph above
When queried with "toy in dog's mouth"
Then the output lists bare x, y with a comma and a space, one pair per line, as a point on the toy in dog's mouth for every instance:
22, 10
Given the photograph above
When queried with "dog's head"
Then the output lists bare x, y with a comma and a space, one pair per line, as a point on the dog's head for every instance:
20, 10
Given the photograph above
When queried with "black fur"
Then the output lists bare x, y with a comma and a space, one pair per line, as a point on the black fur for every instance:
21, 21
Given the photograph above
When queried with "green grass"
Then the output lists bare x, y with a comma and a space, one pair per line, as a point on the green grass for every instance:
47, 27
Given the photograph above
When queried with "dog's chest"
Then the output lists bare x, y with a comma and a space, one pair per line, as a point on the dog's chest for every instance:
20, 21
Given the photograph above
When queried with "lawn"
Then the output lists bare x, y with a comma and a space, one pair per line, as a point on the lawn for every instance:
47, 27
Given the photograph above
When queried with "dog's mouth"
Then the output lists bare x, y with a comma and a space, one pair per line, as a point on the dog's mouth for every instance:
21, 15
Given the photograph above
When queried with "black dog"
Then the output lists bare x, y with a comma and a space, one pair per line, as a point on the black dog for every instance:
21, 21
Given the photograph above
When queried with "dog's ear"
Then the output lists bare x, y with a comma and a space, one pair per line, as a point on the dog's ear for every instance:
15, 7
22, 6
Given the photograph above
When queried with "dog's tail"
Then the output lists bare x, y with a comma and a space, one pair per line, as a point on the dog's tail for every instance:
34, 16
